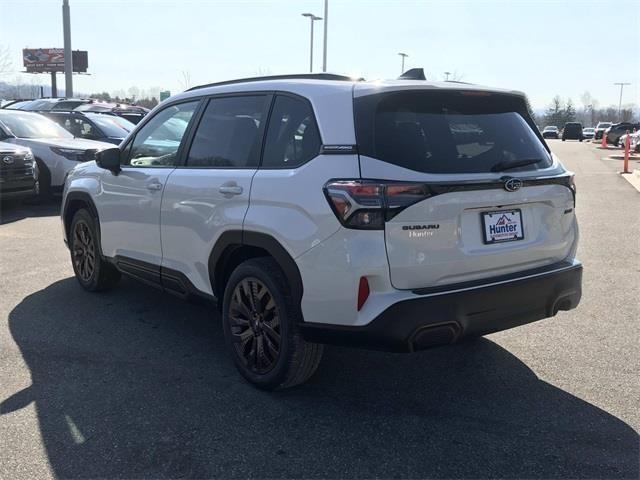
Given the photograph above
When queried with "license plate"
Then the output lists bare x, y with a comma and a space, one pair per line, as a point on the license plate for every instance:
502, 226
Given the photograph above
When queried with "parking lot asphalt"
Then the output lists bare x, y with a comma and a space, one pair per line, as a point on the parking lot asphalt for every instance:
137, 384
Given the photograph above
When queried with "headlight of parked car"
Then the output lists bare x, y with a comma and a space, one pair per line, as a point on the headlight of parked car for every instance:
70, 153
29, 161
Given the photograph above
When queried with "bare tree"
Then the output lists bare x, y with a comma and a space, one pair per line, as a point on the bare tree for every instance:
185, 81
6, 65
453, 77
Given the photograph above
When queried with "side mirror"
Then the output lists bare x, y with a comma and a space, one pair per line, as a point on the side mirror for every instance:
109, 159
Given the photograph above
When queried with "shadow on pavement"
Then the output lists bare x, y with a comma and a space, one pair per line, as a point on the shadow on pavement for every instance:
135, 383
12, 210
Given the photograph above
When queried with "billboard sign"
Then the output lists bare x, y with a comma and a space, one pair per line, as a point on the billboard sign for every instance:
44, 60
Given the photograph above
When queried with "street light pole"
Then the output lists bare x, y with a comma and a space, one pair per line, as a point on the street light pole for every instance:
68, 59
312, 18
622, 84
447, 74
403, 55
326, 22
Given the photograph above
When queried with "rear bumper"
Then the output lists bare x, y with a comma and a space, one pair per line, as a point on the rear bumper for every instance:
443, 317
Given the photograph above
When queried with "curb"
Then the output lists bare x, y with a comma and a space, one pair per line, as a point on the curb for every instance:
633, 178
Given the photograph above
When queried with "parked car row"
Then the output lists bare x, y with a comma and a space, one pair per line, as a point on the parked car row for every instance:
617, 130
132, 113
38, 140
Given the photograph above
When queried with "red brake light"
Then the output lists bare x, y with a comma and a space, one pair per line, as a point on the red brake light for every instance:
363, 292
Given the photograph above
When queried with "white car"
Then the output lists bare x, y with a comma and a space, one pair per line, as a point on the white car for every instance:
316, 209
56, 151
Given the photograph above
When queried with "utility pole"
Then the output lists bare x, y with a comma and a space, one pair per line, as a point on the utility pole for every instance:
313, 18
326, 22
447, 74
68, 57
622, 84
403, 55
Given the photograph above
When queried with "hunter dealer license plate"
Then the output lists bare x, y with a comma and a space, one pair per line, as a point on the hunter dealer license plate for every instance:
502, 226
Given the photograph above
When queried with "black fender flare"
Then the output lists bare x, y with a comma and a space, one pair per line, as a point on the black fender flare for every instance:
85, 198
231, 240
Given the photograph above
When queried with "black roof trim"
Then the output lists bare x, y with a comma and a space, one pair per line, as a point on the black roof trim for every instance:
294, 76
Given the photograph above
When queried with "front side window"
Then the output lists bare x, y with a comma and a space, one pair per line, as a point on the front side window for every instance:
228, 133
157, 143
448, 132
292, 135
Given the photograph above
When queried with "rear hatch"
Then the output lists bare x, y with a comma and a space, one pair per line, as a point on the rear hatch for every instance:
471, 190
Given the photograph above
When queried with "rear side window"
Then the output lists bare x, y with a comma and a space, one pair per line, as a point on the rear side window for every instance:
228, 133
292, 135
447, 132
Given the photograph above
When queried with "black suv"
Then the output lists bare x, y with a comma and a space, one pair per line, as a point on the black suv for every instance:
18, 171
572, 131
103, 127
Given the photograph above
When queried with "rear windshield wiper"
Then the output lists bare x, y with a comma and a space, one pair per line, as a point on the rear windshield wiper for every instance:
501, 166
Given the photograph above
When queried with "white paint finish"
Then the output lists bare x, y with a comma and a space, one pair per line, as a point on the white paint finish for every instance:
455, 252
130, 213
290, 205
331, 272
195, 213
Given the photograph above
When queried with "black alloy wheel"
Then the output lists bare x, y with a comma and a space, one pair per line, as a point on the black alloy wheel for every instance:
84, 251
255, 325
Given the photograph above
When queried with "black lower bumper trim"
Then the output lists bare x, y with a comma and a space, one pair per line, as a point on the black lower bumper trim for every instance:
446, 317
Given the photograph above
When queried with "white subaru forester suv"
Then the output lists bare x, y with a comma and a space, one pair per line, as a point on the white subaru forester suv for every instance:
394, 215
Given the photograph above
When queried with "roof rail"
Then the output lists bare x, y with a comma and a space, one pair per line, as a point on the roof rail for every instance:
299, 76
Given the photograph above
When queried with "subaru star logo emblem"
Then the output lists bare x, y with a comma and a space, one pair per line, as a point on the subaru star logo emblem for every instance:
512, 184
8, 160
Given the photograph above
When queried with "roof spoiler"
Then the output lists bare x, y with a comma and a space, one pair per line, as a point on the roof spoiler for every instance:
413, 74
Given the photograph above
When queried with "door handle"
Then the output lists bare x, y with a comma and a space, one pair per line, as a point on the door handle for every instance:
230, 189
154, 187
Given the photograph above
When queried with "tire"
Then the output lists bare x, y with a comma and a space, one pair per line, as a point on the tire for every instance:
92, 272
44, 183
251, 326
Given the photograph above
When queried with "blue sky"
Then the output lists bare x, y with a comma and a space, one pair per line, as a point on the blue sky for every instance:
543, 47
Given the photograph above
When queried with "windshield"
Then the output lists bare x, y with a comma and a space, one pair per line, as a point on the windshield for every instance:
18, 105
32, 125
447, 132
552, 129
110, 125
604, 125
589, 129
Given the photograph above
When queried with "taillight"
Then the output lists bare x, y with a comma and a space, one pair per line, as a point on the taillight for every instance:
367, 204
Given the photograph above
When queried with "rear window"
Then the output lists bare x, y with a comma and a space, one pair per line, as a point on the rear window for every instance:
448, 132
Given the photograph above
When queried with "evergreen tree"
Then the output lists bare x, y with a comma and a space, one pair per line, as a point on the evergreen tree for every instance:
569, 112
555, 112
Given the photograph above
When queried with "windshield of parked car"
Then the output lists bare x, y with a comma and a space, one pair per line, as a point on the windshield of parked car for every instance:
588, 129
111, 125
32, 125
18, 105
550, 129
448, 132
604, 125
